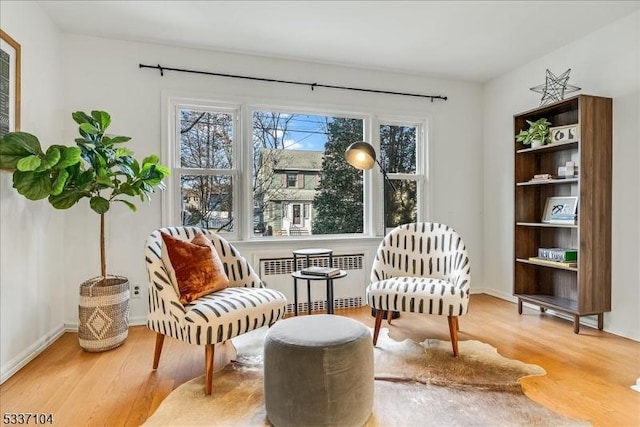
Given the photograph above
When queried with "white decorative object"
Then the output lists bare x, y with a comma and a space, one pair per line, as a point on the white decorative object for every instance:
569, 170
568, 133
636, 386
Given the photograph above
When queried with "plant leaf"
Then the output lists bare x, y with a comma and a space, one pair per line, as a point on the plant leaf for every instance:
80, 117
99, 204
32, 185
127, 171
131, 205
51, 159
69, 156
165, 171
102, 118
58, 184
29, 163
16, 145
89, 129
153, 159
120, 139
66, 199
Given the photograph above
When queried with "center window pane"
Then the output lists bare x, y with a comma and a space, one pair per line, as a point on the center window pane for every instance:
301, 183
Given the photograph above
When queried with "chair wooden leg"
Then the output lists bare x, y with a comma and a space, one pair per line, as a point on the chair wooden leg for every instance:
208, 360
376, 328
158, 351
453, 331
389, 316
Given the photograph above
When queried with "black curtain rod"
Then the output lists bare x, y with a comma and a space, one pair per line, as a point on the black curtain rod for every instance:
291, 82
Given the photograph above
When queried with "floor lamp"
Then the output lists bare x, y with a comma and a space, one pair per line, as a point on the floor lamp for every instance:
361, 155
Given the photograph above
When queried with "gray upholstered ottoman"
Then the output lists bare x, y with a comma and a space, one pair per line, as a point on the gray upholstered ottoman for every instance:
318, 371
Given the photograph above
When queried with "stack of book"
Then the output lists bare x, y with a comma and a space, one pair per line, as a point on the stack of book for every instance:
320, 271
560, 257
541, 177
563, 218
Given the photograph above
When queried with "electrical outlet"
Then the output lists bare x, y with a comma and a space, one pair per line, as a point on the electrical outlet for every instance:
137, 292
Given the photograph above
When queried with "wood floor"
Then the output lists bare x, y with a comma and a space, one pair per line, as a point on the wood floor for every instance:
588, 375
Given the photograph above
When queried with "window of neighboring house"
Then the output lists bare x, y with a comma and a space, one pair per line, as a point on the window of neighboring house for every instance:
399, 154
313, 146
204, 168
292, 180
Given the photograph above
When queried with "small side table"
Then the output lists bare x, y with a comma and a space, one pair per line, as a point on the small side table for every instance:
309, 278
307, 255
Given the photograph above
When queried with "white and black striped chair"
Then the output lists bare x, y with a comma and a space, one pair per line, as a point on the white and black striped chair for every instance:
215, 318
421, 268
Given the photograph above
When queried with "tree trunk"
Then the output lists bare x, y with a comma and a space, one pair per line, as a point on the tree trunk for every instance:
103, 262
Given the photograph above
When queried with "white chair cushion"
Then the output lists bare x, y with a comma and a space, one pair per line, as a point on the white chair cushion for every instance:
418, 295
232, 312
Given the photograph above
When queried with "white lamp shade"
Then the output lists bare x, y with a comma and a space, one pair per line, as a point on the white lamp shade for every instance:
360, 155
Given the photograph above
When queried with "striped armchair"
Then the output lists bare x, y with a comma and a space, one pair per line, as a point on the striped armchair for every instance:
215, 318
421, 268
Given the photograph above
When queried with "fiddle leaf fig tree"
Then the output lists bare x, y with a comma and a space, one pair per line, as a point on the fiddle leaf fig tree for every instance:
99, 168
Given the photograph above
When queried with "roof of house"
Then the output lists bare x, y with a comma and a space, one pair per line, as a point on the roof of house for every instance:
298, 160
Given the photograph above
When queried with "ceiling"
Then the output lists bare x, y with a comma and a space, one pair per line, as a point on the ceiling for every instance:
468, 40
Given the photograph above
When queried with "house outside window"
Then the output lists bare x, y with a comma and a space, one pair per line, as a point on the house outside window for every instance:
298, 163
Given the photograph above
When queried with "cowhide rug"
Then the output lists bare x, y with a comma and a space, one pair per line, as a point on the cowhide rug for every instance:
417, 384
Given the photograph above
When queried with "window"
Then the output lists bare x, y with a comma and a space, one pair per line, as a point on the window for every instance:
204, 167
292, 180
298, 163
286, 170
398, 155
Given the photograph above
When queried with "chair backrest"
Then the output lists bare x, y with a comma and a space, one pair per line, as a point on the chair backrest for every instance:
236, 267
424, 249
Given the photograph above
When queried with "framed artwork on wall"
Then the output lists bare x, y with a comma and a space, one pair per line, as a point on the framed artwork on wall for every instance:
9, 84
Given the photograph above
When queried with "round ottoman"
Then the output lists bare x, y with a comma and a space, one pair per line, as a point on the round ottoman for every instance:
318, 371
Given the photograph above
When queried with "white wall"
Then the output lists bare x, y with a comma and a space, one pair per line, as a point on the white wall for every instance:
605, 63
104, 74
32, 280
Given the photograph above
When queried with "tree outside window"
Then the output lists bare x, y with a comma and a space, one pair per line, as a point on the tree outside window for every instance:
398, 154
206, 158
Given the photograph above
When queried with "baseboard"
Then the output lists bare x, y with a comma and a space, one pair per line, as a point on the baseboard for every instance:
133, 321
138, 321
590, 321
498, 294
21, 360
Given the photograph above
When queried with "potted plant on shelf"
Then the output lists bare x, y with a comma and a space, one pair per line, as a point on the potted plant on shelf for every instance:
101, 169
537, 134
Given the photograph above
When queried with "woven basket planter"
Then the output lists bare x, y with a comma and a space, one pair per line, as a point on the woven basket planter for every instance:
104, 313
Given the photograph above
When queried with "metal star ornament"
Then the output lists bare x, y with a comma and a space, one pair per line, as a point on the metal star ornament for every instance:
555, 87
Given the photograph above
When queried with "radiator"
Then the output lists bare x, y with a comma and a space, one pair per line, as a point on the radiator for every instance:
347, 291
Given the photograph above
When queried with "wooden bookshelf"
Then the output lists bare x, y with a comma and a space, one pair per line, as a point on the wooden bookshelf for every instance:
586, 289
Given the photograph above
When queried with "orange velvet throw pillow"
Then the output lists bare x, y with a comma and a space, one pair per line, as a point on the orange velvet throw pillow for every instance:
195, 269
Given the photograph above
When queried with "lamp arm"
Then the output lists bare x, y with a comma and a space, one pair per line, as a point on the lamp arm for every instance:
384, 174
